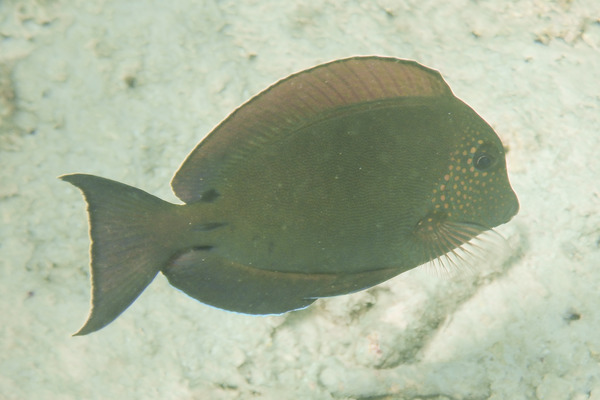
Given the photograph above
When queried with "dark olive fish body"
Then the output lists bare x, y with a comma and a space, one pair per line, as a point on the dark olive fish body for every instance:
331, 181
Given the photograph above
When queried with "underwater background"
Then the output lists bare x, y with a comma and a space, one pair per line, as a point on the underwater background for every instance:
125, 90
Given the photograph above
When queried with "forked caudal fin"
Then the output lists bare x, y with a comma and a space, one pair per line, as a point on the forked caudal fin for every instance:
128, 247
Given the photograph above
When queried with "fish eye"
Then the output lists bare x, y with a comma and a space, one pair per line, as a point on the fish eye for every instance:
484, 158
482, 161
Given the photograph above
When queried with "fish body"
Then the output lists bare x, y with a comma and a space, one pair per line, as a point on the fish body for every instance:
330, 181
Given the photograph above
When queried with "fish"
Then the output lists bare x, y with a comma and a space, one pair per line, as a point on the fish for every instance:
330, 181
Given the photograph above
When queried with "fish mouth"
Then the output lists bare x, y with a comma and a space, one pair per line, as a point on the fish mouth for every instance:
512, 210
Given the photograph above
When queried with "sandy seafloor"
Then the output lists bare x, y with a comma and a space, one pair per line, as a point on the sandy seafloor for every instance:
125, 89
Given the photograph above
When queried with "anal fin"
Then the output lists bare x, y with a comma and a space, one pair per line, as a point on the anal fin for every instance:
211, 279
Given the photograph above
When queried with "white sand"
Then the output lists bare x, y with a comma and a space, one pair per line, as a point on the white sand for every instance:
528, 329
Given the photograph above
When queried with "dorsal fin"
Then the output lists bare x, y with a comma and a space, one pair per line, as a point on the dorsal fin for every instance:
298, 99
